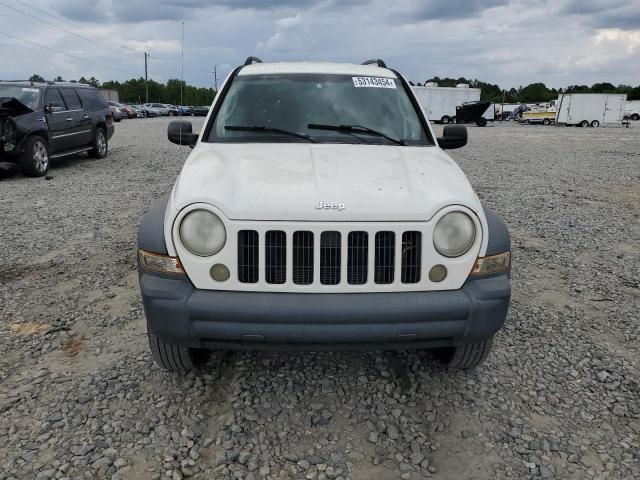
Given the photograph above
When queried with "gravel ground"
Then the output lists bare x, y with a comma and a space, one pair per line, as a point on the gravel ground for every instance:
558, 397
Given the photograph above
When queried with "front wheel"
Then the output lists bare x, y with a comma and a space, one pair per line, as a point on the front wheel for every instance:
465, 356
595, 124
172, 113
175, 358
584, 124
546, 121
635, 117
100, 144
481, 122
445, 119
34, 161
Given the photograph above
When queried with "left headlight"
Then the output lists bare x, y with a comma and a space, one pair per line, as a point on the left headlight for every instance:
454, 234
202, 233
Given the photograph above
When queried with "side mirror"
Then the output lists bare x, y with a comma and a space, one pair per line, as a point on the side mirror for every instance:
181, 133
52, 108
453, 136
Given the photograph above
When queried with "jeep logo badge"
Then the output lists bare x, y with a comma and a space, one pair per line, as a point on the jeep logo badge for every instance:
331, 206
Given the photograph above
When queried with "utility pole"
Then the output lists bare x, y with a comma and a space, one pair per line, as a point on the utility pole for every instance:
146, 84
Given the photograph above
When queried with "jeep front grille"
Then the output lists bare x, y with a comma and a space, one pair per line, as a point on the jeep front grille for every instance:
303, 258
357, 258
248, 253
411, 257
361, 264
275, 256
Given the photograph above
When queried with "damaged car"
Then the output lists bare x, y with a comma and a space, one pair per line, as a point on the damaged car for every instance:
40, 122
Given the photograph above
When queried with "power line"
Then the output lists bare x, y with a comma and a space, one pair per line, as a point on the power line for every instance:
62, 28
59, 18
167, 69
67, 54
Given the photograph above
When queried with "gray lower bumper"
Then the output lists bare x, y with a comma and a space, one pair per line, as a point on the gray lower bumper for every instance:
179, 313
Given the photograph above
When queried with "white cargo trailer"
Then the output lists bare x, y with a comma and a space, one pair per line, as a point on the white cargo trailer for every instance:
439, 103
592, 109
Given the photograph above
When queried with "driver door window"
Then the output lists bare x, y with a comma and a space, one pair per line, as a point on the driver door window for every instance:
53, 99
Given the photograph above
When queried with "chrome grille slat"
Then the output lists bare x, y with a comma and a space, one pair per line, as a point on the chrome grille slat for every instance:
384, 267
358, 258
248, 256
275, 257
411, 257
330, 258
303, 258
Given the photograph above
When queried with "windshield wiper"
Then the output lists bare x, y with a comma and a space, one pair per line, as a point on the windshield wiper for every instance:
355, 129
262, 128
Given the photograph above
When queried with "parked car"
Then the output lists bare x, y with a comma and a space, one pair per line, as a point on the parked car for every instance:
149, 112
163, 109
116, 110
40, 122
318, 210
200, 111
139, 111
184, 110
129, 112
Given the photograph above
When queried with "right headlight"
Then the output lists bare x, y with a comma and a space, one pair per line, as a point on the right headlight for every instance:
454, 234
202, 233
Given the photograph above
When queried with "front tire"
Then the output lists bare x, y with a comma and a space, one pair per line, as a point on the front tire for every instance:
595, 124
465, 356
445, 119
175, 358
584, 123
546, 122
100, 144
34, 161
481, 122
635, 117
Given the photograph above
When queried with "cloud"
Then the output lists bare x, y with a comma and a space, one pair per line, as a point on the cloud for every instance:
624, 14
498, 41
424, 10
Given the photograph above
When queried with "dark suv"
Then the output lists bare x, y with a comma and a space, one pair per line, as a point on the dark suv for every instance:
43, 121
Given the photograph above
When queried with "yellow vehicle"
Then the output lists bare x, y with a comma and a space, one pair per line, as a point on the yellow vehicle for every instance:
545, 117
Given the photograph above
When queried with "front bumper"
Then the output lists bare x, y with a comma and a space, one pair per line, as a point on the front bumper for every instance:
179, 313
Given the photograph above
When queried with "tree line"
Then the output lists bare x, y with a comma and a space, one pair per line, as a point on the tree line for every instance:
134, 90
534, 92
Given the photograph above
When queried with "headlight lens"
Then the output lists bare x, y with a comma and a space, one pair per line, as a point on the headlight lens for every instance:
454, 234
202, 233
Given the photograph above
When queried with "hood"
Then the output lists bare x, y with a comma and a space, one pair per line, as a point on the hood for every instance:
12, 107
296, 181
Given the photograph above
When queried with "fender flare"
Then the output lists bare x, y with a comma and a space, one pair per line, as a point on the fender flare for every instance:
151, 228
499, 240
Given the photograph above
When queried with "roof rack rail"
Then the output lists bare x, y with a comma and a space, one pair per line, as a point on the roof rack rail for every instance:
375, 61
251, 60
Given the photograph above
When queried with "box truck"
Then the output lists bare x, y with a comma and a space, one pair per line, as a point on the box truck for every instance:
439, 103
590, 109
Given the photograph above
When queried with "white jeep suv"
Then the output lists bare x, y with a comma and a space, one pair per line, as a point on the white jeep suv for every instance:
316, 211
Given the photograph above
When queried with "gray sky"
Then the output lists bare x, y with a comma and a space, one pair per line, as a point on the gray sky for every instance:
508, 42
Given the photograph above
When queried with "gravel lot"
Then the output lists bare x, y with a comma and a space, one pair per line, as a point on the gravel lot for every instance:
558, 398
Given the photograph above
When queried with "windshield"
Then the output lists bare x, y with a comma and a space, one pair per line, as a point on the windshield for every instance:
293, 102
29, 96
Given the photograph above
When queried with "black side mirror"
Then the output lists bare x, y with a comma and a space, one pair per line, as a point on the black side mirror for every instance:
181, 132
51, 108
453, 136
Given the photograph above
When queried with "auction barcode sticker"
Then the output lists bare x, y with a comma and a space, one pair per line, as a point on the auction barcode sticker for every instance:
375, 82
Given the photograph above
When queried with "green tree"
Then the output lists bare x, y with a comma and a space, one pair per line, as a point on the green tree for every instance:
36, 78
